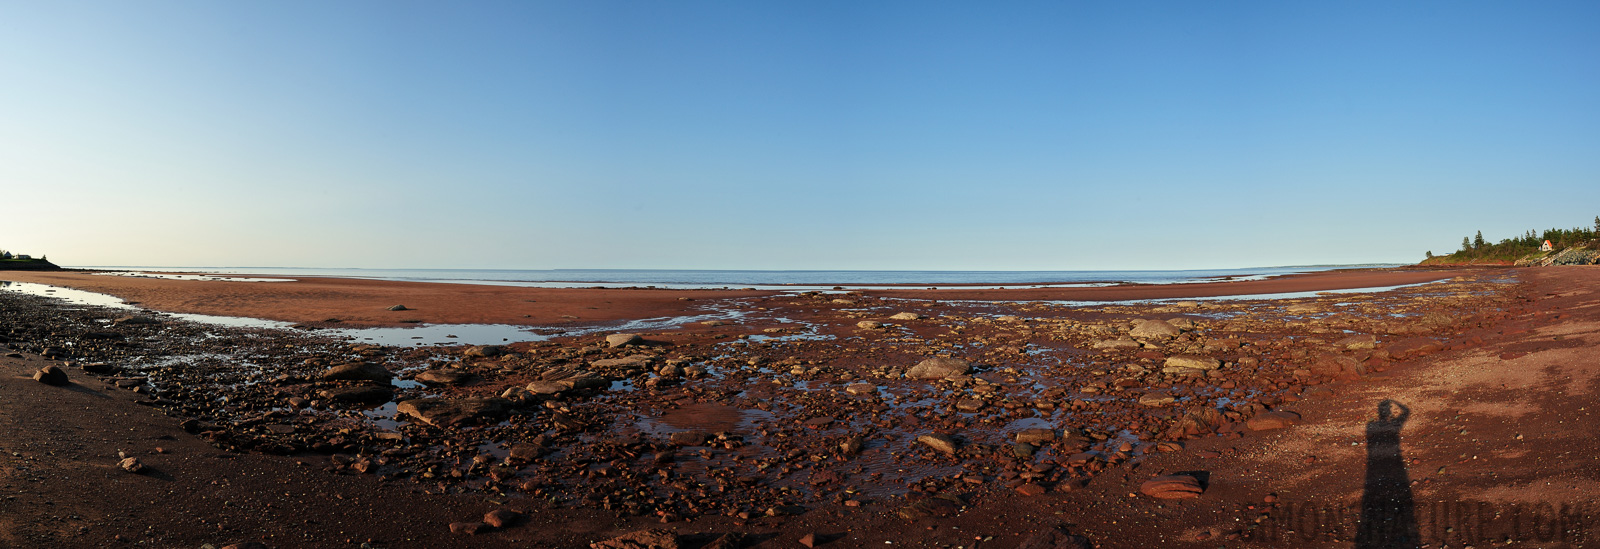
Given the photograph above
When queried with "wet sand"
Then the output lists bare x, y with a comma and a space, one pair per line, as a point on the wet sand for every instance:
365, 302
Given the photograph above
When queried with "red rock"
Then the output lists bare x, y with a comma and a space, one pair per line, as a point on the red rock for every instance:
1172, 487
1273, 420
468, 528
501, 518
1031, 490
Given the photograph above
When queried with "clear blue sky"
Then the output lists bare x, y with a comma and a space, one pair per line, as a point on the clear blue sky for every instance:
790, 135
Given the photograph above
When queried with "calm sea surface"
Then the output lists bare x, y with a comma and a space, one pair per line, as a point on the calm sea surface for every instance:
717, 279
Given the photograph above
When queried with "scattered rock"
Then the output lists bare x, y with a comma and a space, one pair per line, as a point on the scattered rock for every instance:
131, 465
399, 308
246, 545
939, 368
1172, 487
862, 388
51, 375
1276, 419
869, 325
906, 316
620, 340
809, 540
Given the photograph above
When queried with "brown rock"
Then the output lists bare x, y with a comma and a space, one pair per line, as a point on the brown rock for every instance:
1053, 538
942, 505
131, 465
445, 412
940, 442
1195, 362
939, 368
619, 340
1272, 420
1172, 487
1155, 329
51, 375
468, 528
361, 394
501, 518
1031, 490
443, 377
484, 351
357, 371
1035, 436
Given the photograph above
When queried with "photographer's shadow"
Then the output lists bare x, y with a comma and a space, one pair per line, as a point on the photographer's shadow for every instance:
1388, 513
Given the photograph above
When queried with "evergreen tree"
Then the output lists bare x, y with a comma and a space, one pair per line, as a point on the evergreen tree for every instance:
1477, 241
1466, 244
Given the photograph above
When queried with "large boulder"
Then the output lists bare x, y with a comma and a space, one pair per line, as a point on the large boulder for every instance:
446, 412
51, 375
357, 371
939, 368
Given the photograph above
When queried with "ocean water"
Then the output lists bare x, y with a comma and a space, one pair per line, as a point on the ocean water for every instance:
665, 278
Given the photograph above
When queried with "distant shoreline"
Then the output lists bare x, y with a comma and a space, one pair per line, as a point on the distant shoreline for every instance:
367, 302
762, 279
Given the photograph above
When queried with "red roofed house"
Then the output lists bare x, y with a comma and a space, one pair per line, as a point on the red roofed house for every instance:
1546, 247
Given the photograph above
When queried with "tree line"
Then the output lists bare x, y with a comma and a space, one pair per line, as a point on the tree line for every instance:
1476, 248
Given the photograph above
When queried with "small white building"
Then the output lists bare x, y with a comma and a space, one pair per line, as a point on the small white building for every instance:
1546, 246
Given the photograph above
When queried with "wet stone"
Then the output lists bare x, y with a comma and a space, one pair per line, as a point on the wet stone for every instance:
444, 377
357, 371
444, 412
1035, 436
363, 394
943, 443
484, 351
939, 368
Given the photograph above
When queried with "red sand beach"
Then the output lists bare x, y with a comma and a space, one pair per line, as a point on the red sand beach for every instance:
1450, 413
